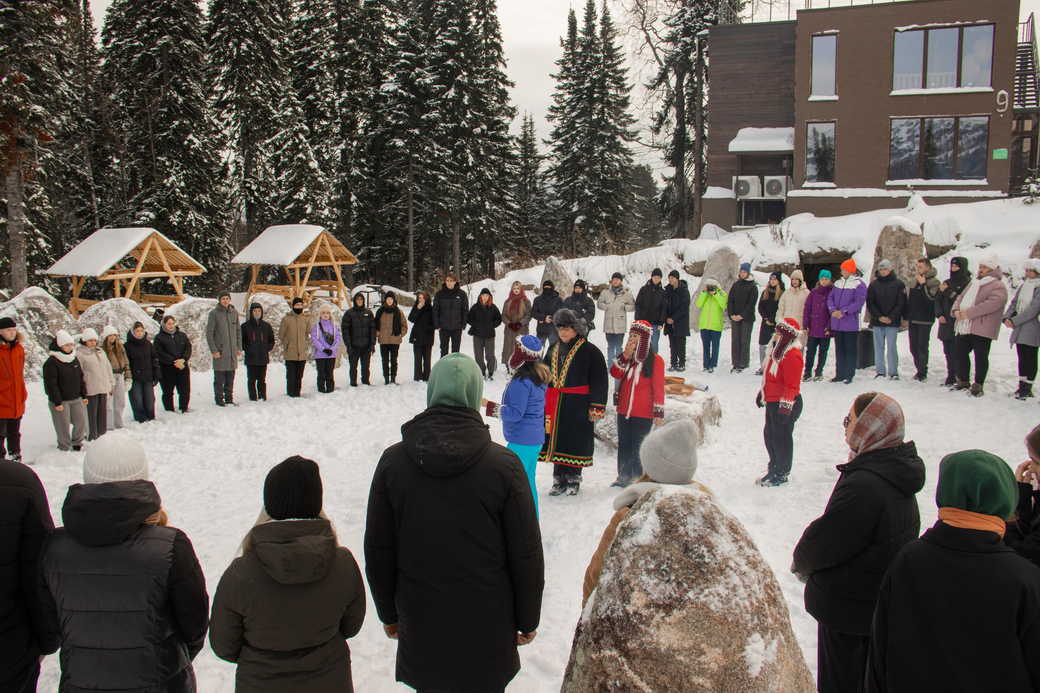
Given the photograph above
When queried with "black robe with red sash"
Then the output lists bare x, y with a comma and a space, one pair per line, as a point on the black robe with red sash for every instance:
579, 383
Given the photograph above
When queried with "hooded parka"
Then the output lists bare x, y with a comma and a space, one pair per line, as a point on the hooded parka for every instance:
257, 338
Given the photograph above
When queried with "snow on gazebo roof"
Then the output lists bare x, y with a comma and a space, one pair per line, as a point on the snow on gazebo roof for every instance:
102, 250
287, 244
763, 140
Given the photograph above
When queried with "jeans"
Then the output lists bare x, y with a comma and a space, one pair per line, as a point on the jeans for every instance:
294, 377
256, 382
615, 345
920, 334
528, 455
11, 435
779, 437
631, 432
118, 401
677, 351
421, 356
388, 357
452, 337
224, 386
710, 343
326, 374
966, 344
142, 400
845, 354
364, 356
886, 354
816, 344
97, 423
740, 349
1026, 362
72, 412
655, 338
484, 354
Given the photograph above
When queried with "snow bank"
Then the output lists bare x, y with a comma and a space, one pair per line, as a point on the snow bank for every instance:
120, 313
38, 316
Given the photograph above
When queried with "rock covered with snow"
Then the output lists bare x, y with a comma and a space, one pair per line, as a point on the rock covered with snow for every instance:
192, 315
38, 316
685, 595
902, 243
722, 265
120, 313
702, 407
275, 309
941, 235
558, 275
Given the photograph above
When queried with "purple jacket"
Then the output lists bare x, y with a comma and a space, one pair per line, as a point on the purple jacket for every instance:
848, 296
816, 319
322, 349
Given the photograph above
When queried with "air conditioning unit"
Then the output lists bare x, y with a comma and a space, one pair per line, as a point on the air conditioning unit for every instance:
776, 187
747, 186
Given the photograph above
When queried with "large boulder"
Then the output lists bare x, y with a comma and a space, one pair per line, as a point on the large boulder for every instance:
723, 265
38, 316
902, 243
192, 315
275, 308
941, 235
120, 313
702, 407
685, 595
558, 275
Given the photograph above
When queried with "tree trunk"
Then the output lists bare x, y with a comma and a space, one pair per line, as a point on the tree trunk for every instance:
456, 250
698, 163
679, 152
411, 232
15, 189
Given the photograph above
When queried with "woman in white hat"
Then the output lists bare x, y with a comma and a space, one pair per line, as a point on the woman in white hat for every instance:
97, 377
1021, 317
66, 392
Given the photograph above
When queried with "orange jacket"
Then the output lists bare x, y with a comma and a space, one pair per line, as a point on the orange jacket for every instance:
12, 379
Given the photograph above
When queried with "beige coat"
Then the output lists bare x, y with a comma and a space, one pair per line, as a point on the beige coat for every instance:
97, 370
385, 328
792, 302
294, 334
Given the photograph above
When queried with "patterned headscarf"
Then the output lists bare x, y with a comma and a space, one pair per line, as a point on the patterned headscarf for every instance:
881, 425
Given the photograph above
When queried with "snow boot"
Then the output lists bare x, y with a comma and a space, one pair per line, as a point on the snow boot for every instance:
976, 390
806, 377
767, 480
1025, 390
961, 385
950, 381
557, 489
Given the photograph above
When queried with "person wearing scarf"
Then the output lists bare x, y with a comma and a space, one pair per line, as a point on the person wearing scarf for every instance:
391, 327
871, 514
516, 316
66, 390
977, 312
781, 396
768, 305
949, 291
326, 340
958, 610
1021, 317
639, 400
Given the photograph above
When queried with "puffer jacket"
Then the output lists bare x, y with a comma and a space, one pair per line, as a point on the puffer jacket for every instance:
257, 338
792, 302
985, 314
616, 305
63, 377
1026, 328
97, 371
847, 296
13, 392
816, 319
144, 360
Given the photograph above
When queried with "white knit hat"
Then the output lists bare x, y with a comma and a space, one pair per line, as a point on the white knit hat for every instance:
108, 331
990, 260
1033, 264
62, 338
88, 334
115, 456
669, 453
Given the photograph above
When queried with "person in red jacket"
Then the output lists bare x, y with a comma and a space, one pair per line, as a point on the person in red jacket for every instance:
12, 390
782, 398
639, 398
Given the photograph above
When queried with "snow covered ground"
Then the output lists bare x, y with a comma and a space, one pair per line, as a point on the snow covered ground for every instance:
210, 464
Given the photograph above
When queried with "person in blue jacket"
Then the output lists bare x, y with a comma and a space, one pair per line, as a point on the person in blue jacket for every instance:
523, 405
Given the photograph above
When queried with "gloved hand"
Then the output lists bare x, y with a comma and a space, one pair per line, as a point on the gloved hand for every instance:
759, 402
327, 352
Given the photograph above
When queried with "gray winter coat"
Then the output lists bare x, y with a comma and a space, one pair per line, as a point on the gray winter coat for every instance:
616, 307
1026, 328
223, 334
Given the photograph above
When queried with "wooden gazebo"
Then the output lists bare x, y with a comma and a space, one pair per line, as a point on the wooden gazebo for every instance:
299, 249
125, 257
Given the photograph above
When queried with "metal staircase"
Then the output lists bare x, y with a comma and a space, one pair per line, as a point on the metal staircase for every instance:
1027, 94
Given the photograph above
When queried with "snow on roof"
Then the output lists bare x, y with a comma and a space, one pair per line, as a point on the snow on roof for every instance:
901, 222
101, 250
278, 245
881, 192
940, 25
763, 140
717, 192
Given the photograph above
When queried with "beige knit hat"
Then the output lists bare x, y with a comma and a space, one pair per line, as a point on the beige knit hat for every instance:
115, 456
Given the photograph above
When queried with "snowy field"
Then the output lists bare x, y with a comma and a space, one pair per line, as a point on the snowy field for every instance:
210, 464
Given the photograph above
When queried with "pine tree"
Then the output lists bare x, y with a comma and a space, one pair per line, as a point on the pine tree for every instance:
566, 164
168, 175
299, 189
644, 223
534, 234
347, 63
313, 62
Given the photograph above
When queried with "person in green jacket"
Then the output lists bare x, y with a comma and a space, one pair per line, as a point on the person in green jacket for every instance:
712, 302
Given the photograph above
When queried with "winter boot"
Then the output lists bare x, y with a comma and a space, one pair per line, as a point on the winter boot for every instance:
1025, 390
950, 381
14, 457
806, 377
558, 488
261, 391
961, 385
976, 390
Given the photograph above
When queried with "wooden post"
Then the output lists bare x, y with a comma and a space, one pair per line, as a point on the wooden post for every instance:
341, 291
310, 264
253, 273
117, 287
140, 266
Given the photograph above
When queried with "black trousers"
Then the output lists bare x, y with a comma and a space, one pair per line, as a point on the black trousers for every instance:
631, 432
920, 335
178, 380
1026, 362
740, 348
257, 382
841, 661
452, 337
422, 353
677, 349
816, 344
10, 436
950, 352
364, 356
388, 357
294, 377
966, 345
224, 386
846, 354
779, 437
326, 374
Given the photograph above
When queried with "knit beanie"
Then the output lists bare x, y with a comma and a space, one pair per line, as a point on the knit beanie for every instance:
643, 331
1032, 264
222, 294
548, 284
297, 301
669, 453
824, 274
62, 338
87, 335
849, 266
7, 323
528, 348
977, 481
884, 265
674, 273
292, 490
618, 275
115, 456
580, 283
745, 267
455, 381
108, 331
990, 260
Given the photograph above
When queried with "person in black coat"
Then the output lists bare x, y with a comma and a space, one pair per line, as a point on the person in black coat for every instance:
768, 305
920, 314
677, 319
652, 306
871, 514
949, 291
359, 335
1023, 530
122, 590
66, 390
886, 304
483, 319
582, 305
173, 351
144, 370
25, 523
543, 309
421, 338
740, 306
958, 610
449, 314
257, 343
453, 552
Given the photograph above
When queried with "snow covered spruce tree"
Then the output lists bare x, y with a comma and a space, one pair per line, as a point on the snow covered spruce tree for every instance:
566, 163
534, 233
167, 168
346, 66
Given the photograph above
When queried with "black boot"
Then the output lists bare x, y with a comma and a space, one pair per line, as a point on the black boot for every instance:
261, 391
1025, 390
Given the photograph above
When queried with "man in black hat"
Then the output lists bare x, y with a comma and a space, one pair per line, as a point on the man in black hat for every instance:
542, 310
582, 305
651, 305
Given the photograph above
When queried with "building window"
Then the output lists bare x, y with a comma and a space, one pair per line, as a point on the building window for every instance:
945, 148
946, 58
824, 55
819, 153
